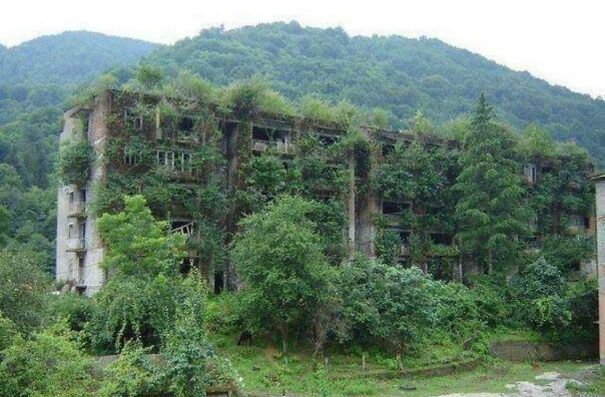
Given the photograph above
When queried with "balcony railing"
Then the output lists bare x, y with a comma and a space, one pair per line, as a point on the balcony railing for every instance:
186, 230
259, 145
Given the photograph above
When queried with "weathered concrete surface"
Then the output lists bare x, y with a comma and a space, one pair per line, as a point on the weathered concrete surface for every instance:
554, 388
541, 351
600, 215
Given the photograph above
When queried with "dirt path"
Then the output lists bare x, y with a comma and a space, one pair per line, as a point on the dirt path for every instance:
548, 384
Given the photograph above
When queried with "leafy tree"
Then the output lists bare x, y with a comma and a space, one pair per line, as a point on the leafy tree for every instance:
186, 349
539, 289
279, 257
49, 364
23, 289
140, 298
406, 303
386, 304
137, 244
491, 211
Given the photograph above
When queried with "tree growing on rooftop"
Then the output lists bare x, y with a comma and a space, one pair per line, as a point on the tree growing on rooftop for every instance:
490, 211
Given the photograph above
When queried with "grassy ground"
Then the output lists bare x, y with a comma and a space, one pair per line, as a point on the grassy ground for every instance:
593, 383
265, 372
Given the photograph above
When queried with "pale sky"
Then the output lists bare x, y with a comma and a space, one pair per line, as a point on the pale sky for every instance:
562, 42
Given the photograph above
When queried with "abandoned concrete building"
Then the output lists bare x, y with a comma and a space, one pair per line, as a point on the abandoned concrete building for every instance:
136, 133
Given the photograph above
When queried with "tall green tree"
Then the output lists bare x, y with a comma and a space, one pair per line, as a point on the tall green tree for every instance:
137, 244
285, 273
491, 211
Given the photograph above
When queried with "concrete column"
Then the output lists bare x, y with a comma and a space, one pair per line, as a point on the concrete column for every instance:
351, 202
600, 215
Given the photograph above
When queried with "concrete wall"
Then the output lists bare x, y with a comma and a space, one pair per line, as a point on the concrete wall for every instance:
80, 268
541, 351
67, 262
600, 211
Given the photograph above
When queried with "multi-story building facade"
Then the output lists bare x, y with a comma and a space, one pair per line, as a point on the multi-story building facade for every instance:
179, 145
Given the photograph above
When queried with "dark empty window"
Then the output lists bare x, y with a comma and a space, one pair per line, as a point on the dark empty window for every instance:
440, 238
138, 123
387, 149
219, 282
261, 134
389, 207
404, 236
186, 124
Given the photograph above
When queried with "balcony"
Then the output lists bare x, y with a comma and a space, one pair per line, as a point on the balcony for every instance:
76, 244
76, 209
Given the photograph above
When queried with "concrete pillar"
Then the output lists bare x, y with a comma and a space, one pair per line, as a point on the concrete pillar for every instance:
600, 215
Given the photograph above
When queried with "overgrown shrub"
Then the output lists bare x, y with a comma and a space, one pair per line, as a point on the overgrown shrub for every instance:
75, 162
49, 364
23, 289
76, 309
191, 363
132, 374
130, 308
582, 297
538, 291
8, 332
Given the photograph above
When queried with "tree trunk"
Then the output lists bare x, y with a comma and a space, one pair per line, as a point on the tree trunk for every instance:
399, 362
284, 342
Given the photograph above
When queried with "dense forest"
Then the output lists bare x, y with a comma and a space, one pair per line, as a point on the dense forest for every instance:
399, 74
67, 58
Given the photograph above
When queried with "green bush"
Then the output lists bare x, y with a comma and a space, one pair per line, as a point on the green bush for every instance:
539, 296
582, 297
49, 364
76, 309
24, 289
8, 332
223, 313
74, 163
132, 309
131, 375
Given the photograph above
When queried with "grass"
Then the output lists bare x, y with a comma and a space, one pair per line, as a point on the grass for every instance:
593, 383
265, 372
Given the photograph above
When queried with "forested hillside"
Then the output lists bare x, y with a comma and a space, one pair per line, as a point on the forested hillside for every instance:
67, 58
398, 74
36, 78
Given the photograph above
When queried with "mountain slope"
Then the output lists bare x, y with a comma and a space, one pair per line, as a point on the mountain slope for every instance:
399, 74
70, 57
